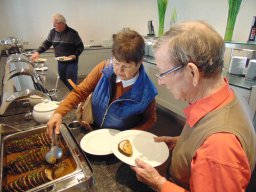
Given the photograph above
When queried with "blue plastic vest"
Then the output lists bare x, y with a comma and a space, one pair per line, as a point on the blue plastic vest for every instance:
125, 112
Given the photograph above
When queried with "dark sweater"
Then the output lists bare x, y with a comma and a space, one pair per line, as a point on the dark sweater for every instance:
64, 43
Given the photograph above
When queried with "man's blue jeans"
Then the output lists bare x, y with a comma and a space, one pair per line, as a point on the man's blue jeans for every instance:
67, 71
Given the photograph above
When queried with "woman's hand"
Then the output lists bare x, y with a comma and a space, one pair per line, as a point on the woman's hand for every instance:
170, 141
148, 175
54, 123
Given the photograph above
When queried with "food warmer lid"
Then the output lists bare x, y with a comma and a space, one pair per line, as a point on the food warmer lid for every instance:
46, 105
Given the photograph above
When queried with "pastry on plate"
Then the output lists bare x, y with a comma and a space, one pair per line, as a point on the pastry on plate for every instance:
125, 147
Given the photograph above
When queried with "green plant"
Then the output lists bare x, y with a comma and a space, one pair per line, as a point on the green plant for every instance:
173, 19
234, 6
162, 4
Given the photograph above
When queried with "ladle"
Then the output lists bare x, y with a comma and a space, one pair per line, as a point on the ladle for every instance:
55, 151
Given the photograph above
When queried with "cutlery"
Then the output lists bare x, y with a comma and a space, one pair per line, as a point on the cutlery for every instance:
55, 151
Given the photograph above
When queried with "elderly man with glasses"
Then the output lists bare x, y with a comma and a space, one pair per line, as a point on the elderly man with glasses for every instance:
216, 149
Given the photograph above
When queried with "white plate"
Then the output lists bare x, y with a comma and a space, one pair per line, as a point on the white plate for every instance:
41, 68
40, 60
144, 147
63, 58
98, 142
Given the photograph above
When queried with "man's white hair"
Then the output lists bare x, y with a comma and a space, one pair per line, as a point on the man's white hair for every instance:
59, 18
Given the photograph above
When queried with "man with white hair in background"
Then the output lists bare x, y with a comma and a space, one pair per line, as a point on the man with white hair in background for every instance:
66, 42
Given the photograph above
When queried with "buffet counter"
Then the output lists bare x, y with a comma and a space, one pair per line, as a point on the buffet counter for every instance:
109, 173
89, 58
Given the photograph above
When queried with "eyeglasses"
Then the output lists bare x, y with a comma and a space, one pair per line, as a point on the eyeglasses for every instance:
159, 76
120, 65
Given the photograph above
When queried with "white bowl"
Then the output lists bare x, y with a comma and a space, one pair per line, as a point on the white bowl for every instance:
42, 112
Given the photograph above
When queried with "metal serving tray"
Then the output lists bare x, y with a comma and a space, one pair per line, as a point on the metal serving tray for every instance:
81, 179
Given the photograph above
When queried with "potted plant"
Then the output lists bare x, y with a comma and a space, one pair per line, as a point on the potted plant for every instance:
162, 4
234, 6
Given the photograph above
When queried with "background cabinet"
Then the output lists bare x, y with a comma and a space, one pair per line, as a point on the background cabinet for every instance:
90, 58
51, 62
246, 88
164, 98
87, 60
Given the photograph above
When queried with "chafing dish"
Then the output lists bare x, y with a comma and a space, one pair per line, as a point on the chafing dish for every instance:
80, 179
11, 45
6, 130
19, 82
17, 57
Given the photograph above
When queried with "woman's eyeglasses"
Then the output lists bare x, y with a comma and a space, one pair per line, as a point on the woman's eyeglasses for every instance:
119, 65
159, 76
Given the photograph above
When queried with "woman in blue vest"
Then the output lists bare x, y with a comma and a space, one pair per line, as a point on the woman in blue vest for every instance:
123, 95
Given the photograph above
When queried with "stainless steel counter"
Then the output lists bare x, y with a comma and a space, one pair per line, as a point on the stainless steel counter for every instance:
87, 48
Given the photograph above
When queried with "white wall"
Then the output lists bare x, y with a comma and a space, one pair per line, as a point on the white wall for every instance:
215, 12
97, 20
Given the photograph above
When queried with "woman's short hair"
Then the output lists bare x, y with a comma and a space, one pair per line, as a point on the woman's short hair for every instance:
59, 18
128, 46
195, 42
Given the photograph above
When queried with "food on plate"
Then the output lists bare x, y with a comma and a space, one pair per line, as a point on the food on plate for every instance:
125, 147
29, 181
31, 142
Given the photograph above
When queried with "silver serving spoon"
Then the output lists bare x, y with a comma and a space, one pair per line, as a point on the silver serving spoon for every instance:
55, 151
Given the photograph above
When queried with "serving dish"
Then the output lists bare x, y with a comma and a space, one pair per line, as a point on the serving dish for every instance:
43, 111
77, 175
